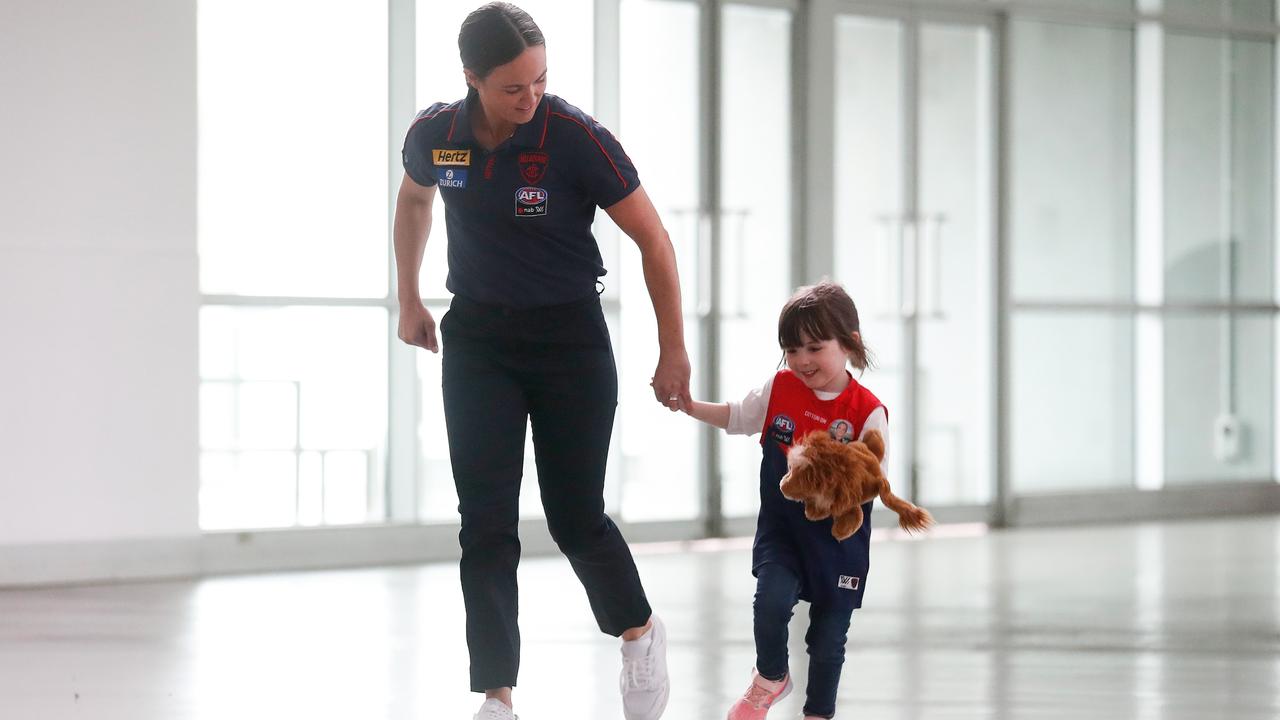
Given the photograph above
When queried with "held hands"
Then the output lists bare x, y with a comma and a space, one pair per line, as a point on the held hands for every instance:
417, 327
670, 381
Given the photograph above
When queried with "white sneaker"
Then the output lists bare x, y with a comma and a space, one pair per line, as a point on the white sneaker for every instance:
495, 709
644, 682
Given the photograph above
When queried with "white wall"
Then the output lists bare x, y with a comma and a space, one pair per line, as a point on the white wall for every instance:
98, 288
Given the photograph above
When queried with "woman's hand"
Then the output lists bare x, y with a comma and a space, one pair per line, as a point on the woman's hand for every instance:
417, 327
410, 230
671, 380
637, 217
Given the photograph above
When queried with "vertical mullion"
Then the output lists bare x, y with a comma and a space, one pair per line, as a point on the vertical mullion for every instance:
802, 27
607, 81
608, 62
910, 80
710, 59
1275, 250
1003, 507
403, 392
1148, 366
819, 132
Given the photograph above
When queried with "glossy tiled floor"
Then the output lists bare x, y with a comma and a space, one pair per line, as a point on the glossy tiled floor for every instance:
1177, 620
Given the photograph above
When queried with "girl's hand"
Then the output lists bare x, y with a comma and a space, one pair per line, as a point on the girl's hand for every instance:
671, 380
417, 327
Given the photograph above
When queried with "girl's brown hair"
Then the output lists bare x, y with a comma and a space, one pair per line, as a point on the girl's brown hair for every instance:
823, 312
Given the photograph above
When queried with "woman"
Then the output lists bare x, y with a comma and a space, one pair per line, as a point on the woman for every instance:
525, 339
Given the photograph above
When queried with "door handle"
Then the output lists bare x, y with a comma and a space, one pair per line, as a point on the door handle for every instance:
930, 270
704, 263
911, 252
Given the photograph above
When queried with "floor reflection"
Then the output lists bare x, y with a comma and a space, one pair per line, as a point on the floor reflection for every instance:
1154, 622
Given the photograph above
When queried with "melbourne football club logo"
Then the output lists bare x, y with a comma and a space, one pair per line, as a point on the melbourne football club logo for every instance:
533, 165
847, 582
531, 202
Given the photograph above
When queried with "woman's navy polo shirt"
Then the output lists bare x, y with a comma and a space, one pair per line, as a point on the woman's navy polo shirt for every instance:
519, 218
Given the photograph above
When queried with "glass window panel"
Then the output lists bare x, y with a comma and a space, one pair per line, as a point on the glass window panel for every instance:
1072, 389
217, 415
869, 154
567, 25
249, 489
1219, 173
569, 29
658, 130
954, 266
347, 494
1110, 6
1101, 5
310, 488
293, 148
1219, 375
1235, 11
267, 415
870, 208
1071, 164
755, 269
437, 497
219, 483
303, 379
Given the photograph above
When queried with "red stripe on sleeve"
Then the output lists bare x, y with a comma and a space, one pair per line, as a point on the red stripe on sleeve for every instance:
429, 117
591, 135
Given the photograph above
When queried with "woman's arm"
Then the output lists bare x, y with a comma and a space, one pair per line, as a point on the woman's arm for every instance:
412, 225
638, 218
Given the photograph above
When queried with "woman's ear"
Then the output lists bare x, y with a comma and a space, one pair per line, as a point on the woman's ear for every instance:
470, 77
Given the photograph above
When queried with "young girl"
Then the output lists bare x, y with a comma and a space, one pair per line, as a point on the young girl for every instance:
795, 558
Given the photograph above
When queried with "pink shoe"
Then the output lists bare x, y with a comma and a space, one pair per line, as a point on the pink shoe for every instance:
755, 703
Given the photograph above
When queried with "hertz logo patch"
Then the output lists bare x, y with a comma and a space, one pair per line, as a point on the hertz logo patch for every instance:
451, 157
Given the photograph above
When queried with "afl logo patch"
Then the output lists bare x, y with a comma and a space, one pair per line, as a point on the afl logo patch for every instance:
531, 202
782, 429
533, 165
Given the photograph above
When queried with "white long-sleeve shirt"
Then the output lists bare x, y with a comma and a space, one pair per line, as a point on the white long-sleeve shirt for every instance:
747, 417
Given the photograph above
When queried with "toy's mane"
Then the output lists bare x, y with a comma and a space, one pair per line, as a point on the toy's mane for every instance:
837, 463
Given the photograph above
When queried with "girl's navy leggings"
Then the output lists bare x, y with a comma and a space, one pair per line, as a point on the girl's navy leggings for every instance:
777, 591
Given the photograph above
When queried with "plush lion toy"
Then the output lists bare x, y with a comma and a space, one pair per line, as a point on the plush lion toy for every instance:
834, 479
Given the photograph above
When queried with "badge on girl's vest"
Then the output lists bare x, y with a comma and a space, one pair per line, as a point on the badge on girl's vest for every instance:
782, 429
